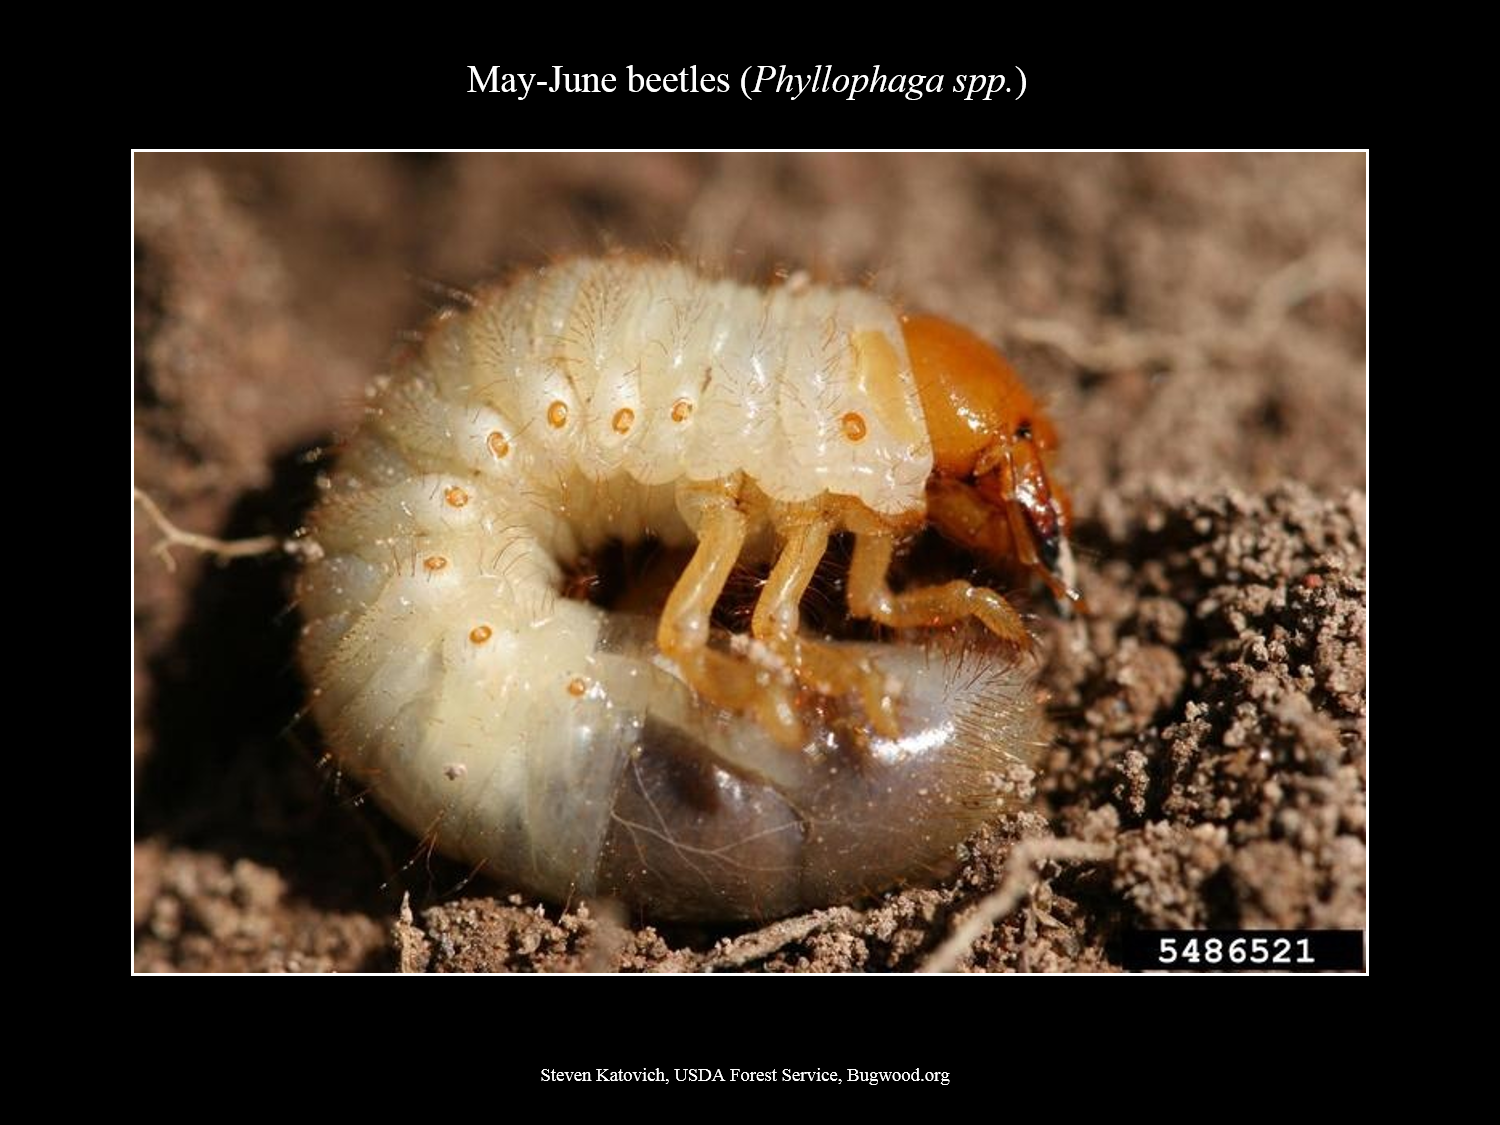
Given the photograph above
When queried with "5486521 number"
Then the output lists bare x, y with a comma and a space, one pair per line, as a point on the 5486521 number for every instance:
1220, 951
1237, 951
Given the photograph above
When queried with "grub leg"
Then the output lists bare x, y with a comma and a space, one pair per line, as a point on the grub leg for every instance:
821, 667
870, 596
726, 680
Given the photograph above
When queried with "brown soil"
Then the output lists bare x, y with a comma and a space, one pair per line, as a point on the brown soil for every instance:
1198, 323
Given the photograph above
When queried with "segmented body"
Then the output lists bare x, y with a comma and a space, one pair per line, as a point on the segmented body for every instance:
548, 739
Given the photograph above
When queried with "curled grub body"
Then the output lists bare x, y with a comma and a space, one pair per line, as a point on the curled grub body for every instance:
578, 751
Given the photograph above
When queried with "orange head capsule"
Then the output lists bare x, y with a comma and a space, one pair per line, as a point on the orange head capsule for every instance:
991, 489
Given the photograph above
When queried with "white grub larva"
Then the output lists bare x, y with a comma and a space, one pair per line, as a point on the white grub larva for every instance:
578, 751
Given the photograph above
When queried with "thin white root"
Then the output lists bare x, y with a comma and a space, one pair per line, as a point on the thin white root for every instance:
1328, 270
1020, 877
174, 536
762, 943
1116, 354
